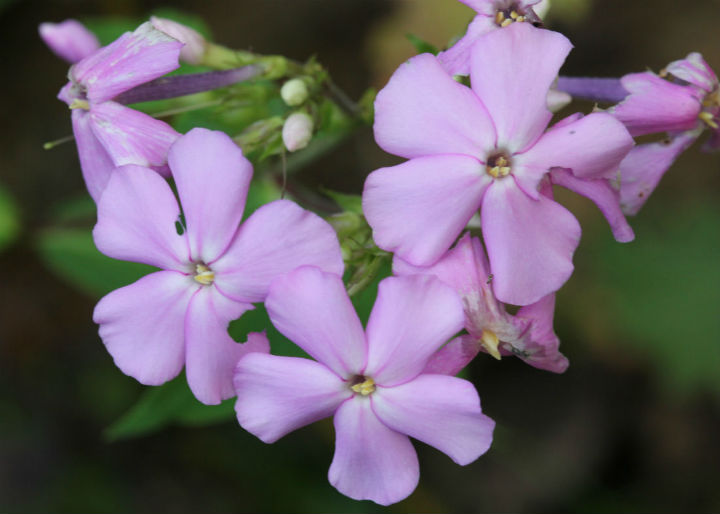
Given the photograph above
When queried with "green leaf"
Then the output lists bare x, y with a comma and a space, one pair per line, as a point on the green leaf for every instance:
9, 219
421, 45
71, 254
165, 405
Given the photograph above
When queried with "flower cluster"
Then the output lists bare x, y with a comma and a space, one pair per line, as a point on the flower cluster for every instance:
483, 147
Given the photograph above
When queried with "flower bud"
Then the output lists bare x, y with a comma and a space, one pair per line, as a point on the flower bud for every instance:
294, 92
297, 131
195, 44
69, 40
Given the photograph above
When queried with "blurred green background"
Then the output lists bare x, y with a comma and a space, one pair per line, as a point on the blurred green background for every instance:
632, 426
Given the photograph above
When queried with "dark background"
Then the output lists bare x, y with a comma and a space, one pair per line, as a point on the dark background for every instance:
632, 426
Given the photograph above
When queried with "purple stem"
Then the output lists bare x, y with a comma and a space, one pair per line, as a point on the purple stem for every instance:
181, 85
597, 89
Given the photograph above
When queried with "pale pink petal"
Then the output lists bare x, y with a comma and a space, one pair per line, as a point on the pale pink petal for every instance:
657, 105
312, 309
540, 346
276, 395
605, 197
95, 162
275, 239
194, 44
512, 71
453, 357
423, 111
456, 59
439, 410
132, 137
530, 243
212, 177
694, 70
418, 208
592, 146
211, 352
133, 59
142, 326
411, 319
69, 40
136, 220
643, 168
371, 461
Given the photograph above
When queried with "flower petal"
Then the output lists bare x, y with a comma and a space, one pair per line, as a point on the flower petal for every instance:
211, 352
605, 197
132, 59
412, 317
423, 111
453, 357
645, 165
530, 243
695, 70
69, 40
95, 162
456, 59
136, 220
312, 309
371, 461
512, 71
439, 410
592, 147
276, 395
275, 239
212, 177
657, 105
540, 347
418, 208
132, 137
142, 326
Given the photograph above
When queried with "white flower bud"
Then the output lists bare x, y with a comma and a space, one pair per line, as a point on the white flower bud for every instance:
294, 92
194, 48
297, 131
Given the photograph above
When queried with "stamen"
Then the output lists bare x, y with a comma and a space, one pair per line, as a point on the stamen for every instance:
499, 17
498, 167
506, 23
364, 388
490, 342
709, 119
204, 275
79, 104
514, 15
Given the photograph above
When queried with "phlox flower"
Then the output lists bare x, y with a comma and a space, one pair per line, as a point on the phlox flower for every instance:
107, 133
487, 148
528, 334
372, 382
70, 40
684, 107
491, 15
209, 275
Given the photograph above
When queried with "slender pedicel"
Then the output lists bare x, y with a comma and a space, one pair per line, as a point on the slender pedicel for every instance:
596, 89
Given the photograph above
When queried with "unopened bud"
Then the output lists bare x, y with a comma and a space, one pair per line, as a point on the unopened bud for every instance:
195, 44
297, 131
294, 92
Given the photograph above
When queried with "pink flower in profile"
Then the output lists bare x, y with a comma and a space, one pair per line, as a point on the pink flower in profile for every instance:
372, 382
487, 148
528, 334
684, 107
70, 40
491, 15
107, 133
210, 274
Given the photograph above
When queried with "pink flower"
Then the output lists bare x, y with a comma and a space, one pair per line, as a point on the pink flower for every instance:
372, 382
210, 274
107, 133
492, 15
69, 40
194, 44
487, 148
683, 107
528, 334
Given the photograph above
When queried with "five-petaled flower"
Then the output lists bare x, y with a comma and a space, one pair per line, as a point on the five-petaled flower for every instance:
210, 274
107, 133
372, 382
487, 147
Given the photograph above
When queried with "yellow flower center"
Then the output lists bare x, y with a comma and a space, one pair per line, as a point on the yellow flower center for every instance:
363, 385
505, 17
204, 275
498, 166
